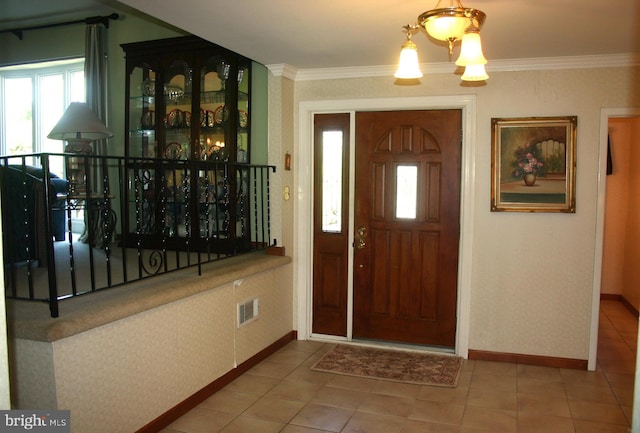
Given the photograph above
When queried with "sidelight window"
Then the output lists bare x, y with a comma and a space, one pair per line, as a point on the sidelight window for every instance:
332, 181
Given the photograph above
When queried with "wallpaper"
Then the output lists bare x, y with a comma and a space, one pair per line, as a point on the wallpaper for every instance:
135, 369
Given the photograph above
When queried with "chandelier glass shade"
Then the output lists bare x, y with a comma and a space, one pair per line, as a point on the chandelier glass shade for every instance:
471, 49
449, 24
408, 66
475, 73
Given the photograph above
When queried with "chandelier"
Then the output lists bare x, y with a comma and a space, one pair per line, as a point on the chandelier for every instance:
449, 24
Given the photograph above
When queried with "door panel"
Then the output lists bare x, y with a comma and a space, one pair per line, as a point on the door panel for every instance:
331, 224
407, 198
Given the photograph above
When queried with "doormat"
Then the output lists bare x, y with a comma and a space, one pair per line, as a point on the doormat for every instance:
393, 365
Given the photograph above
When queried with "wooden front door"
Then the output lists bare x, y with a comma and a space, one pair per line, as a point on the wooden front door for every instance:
407, 213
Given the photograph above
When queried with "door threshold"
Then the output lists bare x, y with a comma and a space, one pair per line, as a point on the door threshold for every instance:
380, 344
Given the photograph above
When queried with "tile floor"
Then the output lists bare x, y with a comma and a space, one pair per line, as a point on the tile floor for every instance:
282, 394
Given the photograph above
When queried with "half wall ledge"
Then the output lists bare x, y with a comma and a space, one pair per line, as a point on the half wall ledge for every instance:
31, 320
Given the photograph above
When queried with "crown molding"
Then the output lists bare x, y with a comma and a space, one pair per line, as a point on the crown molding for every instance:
571, 62
533, 64
283, 70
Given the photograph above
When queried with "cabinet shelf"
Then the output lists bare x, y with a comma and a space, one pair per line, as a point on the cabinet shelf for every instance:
210, 97
142, 131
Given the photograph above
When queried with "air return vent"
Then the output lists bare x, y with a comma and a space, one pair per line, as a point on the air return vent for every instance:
247, 312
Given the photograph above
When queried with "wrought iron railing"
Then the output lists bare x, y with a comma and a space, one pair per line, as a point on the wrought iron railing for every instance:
114, 220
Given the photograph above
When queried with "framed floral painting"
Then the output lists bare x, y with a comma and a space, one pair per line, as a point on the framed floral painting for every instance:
533, 164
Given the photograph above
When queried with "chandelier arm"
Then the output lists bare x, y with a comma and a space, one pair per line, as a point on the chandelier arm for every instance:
410, 30
459, 4
451, 42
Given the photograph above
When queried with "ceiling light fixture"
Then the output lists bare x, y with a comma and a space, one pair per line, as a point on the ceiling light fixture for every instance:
452, 24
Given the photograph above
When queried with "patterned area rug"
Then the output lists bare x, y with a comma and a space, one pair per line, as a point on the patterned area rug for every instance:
393, 365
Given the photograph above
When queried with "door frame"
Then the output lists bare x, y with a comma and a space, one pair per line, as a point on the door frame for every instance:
303, 205
605, 115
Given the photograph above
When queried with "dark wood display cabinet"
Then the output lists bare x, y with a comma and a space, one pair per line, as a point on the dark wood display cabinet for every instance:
187, 111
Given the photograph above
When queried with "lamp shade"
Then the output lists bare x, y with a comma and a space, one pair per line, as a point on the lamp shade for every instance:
471, 49
79, 122
446, 27
475, 73
449, 23
408, 66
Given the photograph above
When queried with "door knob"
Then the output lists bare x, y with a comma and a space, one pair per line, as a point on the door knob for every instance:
361, 235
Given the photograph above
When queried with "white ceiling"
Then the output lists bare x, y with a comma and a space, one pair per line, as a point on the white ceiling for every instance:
308, 34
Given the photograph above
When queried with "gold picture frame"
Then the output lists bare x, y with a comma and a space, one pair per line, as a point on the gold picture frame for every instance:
533, 164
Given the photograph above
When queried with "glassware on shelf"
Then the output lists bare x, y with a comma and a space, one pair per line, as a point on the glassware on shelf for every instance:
148, 87
188, 80
223, 72
173, 93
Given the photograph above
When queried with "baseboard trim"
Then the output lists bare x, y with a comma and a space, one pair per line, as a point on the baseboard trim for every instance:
194, 400
620, 298
610, 297
542, 361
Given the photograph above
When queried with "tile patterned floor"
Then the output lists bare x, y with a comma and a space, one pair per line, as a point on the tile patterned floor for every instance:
282, 394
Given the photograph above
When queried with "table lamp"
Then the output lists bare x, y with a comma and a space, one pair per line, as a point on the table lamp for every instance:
78, 126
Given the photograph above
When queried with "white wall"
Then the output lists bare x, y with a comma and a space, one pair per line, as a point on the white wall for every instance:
531, 273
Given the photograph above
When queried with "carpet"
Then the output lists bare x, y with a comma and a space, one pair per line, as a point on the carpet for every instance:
393, 365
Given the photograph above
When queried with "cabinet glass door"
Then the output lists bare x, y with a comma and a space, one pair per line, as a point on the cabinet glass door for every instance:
142, 112
213, 112
244, 80
177, 87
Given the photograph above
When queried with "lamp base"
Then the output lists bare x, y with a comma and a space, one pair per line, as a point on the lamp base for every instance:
75, 166
79, 146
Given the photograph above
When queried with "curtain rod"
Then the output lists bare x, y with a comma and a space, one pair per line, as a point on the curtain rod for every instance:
91, 20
